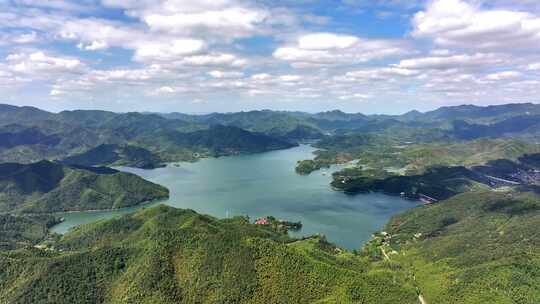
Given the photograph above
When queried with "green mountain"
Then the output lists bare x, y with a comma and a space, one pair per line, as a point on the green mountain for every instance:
219, 140
514, 126
16, 135
438, 182
24, 231
481, 247
279, 123
166, 255
479, 114
285, 125
116, 155
45, 187
133, 139
478, 247
442, 182
21, 115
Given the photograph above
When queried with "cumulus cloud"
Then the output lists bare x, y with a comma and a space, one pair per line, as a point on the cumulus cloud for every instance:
55, 4
218, 19
355, 96
98, 34
233, 21
504, 75
214, 59
40, 63
318, 49
383, 73
534, 66
170, 51
325, 41
457, 23
290, 78
449, 62
224, 74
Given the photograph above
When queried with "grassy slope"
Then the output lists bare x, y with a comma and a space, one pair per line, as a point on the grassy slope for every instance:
166, 255
478, 247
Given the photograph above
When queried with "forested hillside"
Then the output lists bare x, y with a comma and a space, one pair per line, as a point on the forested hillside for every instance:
166, 255
45, 187
481, 247
132, 139
478, 247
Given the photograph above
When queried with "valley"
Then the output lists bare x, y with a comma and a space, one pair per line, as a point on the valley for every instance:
385, 209
269, 152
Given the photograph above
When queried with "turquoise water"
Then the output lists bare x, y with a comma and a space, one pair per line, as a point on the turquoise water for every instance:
266, 184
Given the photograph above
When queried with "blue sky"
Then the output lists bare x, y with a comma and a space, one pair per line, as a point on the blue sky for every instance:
371, 56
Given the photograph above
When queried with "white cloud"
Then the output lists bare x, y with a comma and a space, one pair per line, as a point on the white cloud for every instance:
534, 66
355, 96
25, 38
171, 51
236, 21
98, 34
165, 90
290, 78
94, 45
18, 38
449, 62
261, 76
331, 49
457, 23
223, 74
121, 75
381, 73
325, 41
504, 75
54, 4
39, 62
215, 59
55, 92
220, 19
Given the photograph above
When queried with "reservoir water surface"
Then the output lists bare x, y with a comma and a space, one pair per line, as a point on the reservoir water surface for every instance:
266, 184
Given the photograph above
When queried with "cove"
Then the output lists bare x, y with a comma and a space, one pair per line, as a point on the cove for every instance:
266, 184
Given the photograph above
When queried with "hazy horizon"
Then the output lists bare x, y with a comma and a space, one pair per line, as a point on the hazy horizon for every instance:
276, 110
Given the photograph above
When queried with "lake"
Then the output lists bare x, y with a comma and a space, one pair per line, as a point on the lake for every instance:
266, 184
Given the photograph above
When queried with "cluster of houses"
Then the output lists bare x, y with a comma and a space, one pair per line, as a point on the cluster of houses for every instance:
278, 224
262, 221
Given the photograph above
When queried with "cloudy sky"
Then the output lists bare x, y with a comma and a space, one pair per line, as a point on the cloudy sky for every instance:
198, 56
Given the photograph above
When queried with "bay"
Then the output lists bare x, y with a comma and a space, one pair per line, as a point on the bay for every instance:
265, 184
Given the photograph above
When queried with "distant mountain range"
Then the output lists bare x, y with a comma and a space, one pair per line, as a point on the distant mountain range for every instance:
141, 140
148, 140
499, 119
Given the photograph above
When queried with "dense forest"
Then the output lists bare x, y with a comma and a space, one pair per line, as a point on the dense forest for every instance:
477, 247
46, 187
148, 140
166, 255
